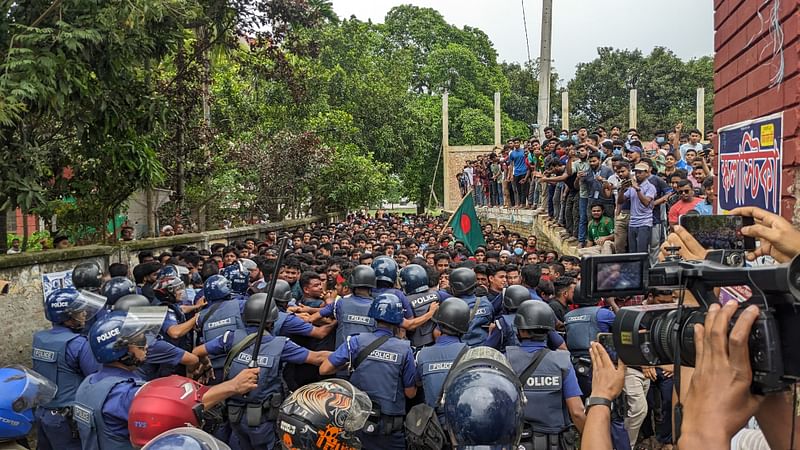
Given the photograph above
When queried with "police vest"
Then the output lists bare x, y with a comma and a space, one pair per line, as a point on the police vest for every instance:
185, 341
88, 414
380, 374
353, 318
278, 326
269, 364
434, 363
50, 360
508, 332
421, 303
226, 317
545, 409
476, 333
582, 329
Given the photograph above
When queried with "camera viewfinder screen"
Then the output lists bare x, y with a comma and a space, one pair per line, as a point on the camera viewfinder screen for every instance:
619, 276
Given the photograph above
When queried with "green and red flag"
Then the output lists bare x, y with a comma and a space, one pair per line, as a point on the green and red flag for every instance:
466, 226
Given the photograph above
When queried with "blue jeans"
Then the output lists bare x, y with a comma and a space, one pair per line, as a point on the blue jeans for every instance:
639, 239
583, 219
551, 193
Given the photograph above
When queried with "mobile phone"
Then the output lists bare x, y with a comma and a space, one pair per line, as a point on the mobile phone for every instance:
607, 341
719, 232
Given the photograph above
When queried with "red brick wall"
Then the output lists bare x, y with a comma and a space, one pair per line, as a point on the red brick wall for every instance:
33, 223
743, 66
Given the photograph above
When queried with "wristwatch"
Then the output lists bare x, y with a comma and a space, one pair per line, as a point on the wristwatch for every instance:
594, 401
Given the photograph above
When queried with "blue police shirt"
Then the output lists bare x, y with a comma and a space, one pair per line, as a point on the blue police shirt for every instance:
79, 354
570, 388
118, 402
345, 353
605, 318
294, 325
292, 352
441, 342
162, 352
554, 340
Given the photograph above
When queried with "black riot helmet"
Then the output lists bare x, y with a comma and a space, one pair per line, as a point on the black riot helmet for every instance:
362, 277
453, 316
254, 310
283, 293
514, 295
463, 281
131, 300
535, 315
87, 276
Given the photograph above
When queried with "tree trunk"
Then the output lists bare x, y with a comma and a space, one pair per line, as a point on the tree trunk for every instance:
24, 230
3, 231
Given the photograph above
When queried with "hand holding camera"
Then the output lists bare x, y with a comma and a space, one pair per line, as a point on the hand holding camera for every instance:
778, 237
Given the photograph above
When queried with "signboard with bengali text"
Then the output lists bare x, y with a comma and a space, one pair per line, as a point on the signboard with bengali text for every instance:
56, 280
749, 164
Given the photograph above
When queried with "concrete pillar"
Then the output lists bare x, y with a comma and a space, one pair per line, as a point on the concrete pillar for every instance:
701, 111
543, 115
446, 148
564, 110
497, 124
633, 117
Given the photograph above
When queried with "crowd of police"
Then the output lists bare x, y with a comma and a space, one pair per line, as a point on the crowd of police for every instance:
382, 333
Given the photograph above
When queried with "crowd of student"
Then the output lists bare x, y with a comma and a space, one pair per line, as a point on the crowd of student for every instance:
612, 191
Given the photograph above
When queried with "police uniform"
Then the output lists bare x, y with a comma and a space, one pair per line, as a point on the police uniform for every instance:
582, 326
408, 311
175, 316
162, 360
549, 386
252, 417
477, 333
433, 364
505, 335
101, 408
215, 320
352, 315
290, 325
384, 375
63, 357
420, 305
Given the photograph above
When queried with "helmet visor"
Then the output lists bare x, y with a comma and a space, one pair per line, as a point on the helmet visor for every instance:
37, 390
206, 441
86, 305
360, 407
141, 325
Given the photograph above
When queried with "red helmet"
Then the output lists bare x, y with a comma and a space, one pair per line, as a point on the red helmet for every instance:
164, 404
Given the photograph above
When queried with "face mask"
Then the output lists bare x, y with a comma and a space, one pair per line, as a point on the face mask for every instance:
617, 152
563, 137
518, 251
575, 138
660, 140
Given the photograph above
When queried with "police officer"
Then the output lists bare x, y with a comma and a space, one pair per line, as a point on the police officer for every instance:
548, 380
116, 288
462, 285
386, 269
21, 392
329, 423
382, 366
483, 402
252, 417
504, 333
582, 326
87, 276
239, 278
414, 280
119, 343
434, 362
62, 355
352, 312
221, 314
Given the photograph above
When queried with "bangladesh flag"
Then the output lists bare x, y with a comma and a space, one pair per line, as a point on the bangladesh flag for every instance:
466, 226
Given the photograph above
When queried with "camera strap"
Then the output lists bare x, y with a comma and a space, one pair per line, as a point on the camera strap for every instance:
676, 371
364, 353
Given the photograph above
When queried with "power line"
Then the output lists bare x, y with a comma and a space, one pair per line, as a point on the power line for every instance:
525, 23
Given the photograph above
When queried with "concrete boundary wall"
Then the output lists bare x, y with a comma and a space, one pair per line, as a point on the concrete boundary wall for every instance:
21, 312
525, 222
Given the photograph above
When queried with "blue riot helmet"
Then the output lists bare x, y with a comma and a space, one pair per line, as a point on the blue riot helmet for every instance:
87, 275
216, 287
238, 277
111, 336
483, 402
414, 279
323, 415
68, 303
168, 271
387, 308
116, 288
385, 269
21, 391
185, 438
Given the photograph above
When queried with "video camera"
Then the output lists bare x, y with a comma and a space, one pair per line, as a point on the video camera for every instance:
650, 335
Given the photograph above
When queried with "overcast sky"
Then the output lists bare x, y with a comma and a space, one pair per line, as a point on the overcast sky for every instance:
579, 26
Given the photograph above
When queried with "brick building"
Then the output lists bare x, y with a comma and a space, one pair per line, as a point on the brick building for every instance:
757, 73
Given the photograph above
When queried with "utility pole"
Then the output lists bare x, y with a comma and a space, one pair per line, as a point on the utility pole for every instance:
544, 64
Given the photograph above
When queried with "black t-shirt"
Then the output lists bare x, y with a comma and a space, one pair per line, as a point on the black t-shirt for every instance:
559, 309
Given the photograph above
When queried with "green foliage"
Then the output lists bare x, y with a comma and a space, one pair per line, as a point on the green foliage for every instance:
667, 87
35, 241
353, 180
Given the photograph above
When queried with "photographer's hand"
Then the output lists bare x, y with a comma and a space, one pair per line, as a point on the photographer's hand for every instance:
778, 237
607, 382
720, 387
691, 250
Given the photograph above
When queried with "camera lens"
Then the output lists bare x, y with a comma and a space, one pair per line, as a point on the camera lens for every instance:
667, 334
